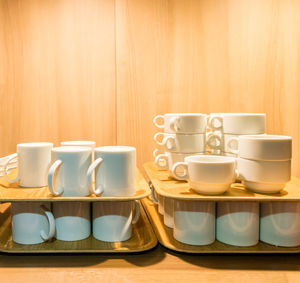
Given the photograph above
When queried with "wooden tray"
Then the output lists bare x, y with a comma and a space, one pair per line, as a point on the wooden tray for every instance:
165, 237
143, 238
11, 192
169, 187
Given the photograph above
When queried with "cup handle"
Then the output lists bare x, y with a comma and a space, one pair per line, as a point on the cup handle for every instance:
51, 174
136, 217
156, 138
212, 120
174, 124
185, 166
169, 143
155, 152
160, 126
98, 191
160, 157
13, 156
229, 144
211, 140
51, 222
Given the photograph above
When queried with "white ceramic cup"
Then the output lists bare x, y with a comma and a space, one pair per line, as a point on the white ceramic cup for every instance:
263, 147
237, 223
33, 163
207, 174
112, 221
280, 223
168, 212
72, 220
264, 176
194, 222
182, 123
70, 166
32, 222
183, 143
115, 171
238, 123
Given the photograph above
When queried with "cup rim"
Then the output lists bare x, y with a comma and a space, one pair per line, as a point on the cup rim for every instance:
71, 149
115, 149
210, 159
239, 114
34, 144
265, 137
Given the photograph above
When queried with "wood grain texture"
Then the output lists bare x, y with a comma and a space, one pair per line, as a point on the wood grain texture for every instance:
57, 71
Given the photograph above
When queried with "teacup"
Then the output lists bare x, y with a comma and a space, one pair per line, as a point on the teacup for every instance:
207, 174
183, 123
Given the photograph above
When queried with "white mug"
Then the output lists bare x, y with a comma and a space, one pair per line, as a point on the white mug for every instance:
115, 171
264, 176
33, 164
207, 174
280, 223
194, 222
168, 212
112, 221
32, 222
183, 123
237, 223
71, 164
181, 142
238, 123
72, 220
263, 147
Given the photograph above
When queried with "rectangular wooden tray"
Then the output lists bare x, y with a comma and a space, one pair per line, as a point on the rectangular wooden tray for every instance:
143, 239
169, 187
12, 192
165, 237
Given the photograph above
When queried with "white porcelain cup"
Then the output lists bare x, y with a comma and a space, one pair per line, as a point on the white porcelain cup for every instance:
115, 171
207, 174
72, 220
182, 123
238, 123
237, 223
264, 176
263, 147
183, 143
280, 223
112, 221
33, 163
32, 222
194, 222
168, 212
70, 166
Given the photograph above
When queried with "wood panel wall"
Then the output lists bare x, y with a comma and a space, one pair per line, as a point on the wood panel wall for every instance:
102, 69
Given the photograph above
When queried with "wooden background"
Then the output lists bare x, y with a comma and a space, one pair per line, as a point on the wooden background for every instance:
102, 69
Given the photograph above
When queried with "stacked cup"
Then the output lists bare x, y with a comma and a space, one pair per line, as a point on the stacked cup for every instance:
227, 127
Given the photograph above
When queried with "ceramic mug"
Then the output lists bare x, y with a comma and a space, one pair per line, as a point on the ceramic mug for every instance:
168, 212
115, 171
263, 147
72, 220
112, 221
182, 123
238, 123
32, 222
264, 176
194, 222
280, 223
237, 223
207, 174
33, 163
181, 142
70, 166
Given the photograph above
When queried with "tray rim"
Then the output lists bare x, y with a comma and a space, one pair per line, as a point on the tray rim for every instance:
255, 197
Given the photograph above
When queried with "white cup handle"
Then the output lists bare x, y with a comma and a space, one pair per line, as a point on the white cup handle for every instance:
99, 190
169, 143
13, 156
160, 126
161, 157
51, 174
212, 123
229, 144
156, 138
185, 175
155, 152
174, 124
51, 221
136, 217
211, 141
